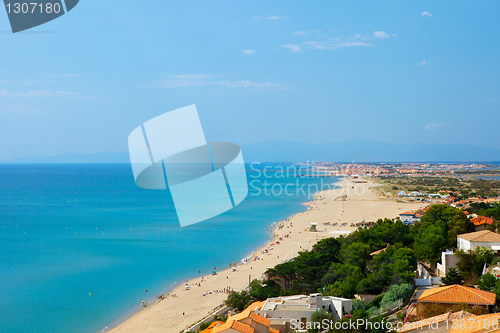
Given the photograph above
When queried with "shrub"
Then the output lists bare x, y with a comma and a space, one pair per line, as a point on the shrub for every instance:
375, 303
396, 293
204, 325
358, 304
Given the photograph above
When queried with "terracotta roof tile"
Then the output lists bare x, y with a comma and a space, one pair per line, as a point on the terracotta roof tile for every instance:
457, 294
211, 327
272, 330
256, 305
481, 220
259, 319
240, 327
481, 236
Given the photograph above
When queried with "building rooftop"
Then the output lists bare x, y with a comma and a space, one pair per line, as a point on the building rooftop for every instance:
457, 294
235, 325
480, 220
481, 236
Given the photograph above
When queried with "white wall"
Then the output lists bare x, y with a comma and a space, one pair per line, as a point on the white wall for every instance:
486, 244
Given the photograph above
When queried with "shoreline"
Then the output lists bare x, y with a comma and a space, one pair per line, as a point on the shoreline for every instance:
151, 301
203, 296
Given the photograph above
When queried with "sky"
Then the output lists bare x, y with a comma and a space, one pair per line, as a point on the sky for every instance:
308, 71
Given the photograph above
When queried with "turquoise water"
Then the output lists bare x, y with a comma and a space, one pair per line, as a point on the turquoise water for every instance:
492, 177
70, 230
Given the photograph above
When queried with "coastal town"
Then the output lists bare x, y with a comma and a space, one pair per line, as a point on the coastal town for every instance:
381, 252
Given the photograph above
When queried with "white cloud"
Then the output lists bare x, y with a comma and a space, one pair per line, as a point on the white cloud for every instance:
257, 17
326, 45
250, 84
326, 42
249, 52
273, 17
426, 14
193, 80
380, 34
294, 48
435, 126
424, 63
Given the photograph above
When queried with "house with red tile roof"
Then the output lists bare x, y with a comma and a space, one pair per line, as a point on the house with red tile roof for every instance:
246, 321
410, 217
456, 294
481, 222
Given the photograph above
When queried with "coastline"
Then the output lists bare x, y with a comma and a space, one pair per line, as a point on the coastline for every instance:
189, 306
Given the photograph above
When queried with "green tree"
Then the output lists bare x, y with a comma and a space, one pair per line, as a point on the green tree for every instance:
452, 277
238, 300
365, 316
429, 244
438, 230
318, 316
471, 263
487, 282
204, 325
261, 291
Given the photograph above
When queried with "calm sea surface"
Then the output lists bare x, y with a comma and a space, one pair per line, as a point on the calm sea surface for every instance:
80, 244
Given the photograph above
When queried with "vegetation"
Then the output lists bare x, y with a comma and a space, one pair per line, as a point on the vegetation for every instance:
318, 316
343, 266
459, 187
216, 318
239, 300
438, 230
396, 293
258, 292
204, 325
487, 282
489, 210
353, 318
471, 263
452, 277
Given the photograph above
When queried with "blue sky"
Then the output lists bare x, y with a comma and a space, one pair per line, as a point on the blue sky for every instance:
315, 71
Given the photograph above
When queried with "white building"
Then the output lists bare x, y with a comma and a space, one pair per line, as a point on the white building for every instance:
448, 260
485, 238
284, 309
410, 217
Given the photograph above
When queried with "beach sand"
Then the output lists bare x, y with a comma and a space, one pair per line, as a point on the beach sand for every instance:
174, 314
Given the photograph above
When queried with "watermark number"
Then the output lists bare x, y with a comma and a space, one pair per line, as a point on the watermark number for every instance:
33, 7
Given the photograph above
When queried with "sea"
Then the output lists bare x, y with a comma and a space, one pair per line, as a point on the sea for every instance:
491, 177
80, 243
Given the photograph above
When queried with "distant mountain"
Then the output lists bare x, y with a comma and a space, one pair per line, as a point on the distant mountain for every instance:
356, 150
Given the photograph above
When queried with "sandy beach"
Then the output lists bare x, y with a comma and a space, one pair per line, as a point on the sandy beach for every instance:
176, 313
